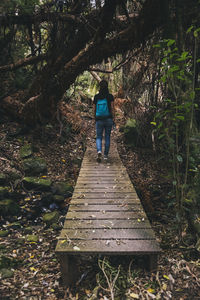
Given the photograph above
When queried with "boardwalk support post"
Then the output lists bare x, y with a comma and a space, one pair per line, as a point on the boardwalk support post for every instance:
153, 258
69, 269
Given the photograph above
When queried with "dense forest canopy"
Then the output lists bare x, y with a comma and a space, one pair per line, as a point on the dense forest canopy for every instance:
45, 46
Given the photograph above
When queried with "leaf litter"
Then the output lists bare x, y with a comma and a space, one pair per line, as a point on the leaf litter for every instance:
37, 272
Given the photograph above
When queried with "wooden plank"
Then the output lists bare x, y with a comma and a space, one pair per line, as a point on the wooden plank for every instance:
106, 186
101, 167
110, 247
104, 195
108, 234
104, 201
105, 215
103, 189
133, 223
96, 180
112, 185
105, 207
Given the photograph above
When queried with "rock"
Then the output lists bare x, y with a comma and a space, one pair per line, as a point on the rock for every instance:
55, 226
4, 233
4, 191
50, 218
28, 230
62, 188
58, 198
15, 225
7, 262
20, 241
26, 151
32, 238
47, 198
3, 178
6, 273
37, 183
9, 207
13, 175
34, 166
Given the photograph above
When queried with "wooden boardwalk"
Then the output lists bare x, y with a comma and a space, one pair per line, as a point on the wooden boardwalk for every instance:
105, 216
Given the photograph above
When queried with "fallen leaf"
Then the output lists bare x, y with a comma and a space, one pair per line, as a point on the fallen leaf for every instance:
76, 248
27, 199
134, 296
63, 241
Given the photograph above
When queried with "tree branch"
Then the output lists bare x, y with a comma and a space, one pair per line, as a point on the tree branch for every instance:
23, 62
38, 18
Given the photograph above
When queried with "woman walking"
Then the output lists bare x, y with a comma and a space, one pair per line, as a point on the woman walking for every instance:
105, 117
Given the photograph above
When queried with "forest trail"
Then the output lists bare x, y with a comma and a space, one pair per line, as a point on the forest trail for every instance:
105, 216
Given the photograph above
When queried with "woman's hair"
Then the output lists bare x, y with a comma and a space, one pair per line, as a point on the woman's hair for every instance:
103, 87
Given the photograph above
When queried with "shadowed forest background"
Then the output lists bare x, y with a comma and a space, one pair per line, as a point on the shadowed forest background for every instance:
52, 56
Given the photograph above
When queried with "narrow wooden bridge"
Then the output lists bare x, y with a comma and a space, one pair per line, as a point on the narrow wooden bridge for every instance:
105, 216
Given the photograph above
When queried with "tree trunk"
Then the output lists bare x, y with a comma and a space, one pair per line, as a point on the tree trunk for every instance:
57, 76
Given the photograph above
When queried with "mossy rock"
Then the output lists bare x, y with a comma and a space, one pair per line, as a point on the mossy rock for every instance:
32, 238
56, 226
50, 218
4, 233
63, 188
34, 166
37, 183
47, 197
26, 151
20, 241
4, 191
6, 273
3, 178
58, 198
28, 230
9, 207
7, 262
13, 175
15, 225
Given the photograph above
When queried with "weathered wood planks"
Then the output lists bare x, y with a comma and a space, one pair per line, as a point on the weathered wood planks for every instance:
105, 216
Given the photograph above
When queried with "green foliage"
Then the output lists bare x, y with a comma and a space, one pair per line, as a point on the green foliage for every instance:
174, 123
131, 133
136, 134
22, 6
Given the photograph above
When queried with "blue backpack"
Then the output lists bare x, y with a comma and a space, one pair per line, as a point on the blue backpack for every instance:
102, 108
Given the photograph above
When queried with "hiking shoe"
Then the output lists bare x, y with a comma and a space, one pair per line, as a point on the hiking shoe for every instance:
99, 157
105, 157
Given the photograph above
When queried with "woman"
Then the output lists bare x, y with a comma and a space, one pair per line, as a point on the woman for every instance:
105, 116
